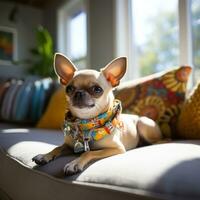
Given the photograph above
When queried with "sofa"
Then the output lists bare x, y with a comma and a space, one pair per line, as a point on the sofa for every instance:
167, 170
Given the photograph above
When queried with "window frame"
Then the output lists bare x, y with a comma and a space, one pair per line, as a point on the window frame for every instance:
64, 15
185, 36
123, 46
129, 48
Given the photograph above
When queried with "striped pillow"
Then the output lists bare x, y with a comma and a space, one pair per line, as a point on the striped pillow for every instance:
24, 101
3, 88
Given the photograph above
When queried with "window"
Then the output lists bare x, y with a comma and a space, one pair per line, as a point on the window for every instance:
155, 32
195, 20
77, 35
72, 28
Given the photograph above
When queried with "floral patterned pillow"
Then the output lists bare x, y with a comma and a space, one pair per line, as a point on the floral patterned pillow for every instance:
159, 96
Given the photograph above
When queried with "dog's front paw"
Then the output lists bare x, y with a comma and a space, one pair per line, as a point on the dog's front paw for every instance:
73, 167
42, 159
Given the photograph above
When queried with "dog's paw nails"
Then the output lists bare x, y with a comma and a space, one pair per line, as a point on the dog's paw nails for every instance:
72, 168
42, 159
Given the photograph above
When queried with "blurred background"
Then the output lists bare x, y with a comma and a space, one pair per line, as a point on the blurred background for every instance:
155, 35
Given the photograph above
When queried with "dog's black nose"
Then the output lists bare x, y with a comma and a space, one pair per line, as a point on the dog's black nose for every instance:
79, 94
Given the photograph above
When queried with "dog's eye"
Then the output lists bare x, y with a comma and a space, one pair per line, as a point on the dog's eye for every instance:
70, 89
96, 89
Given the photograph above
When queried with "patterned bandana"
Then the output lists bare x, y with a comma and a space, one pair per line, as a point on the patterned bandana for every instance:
85, 130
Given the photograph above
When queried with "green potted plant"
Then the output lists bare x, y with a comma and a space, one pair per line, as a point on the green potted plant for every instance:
42, 54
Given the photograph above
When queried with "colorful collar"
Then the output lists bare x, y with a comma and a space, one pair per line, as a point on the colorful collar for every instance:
85, 130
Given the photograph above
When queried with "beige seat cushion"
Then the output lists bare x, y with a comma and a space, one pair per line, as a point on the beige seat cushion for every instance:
169, 169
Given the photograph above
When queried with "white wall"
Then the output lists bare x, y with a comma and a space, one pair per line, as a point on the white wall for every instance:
28, 19
50, 18
101, 32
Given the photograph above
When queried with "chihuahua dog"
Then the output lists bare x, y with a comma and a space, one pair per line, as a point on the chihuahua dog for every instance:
94, 125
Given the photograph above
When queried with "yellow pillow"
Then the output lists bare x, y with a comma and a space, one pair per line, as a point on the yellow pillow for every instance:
189, 120
53, 117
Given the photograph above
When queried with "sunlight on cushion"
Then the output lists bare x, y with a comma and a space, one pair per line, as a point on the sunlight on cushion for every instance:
148, 165
25, 146
15, 130
24, 151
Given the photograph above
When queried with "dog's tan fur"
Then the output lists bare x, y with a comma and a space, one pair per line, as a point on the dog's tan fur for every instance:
119, 141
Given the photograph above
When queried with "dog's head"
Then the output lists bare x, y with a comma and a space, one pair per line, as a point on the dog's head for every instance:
89, 92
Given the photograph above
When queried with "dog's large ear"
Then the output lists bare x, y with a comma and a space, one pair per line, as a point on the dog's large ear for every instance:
64, 68
115, 70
